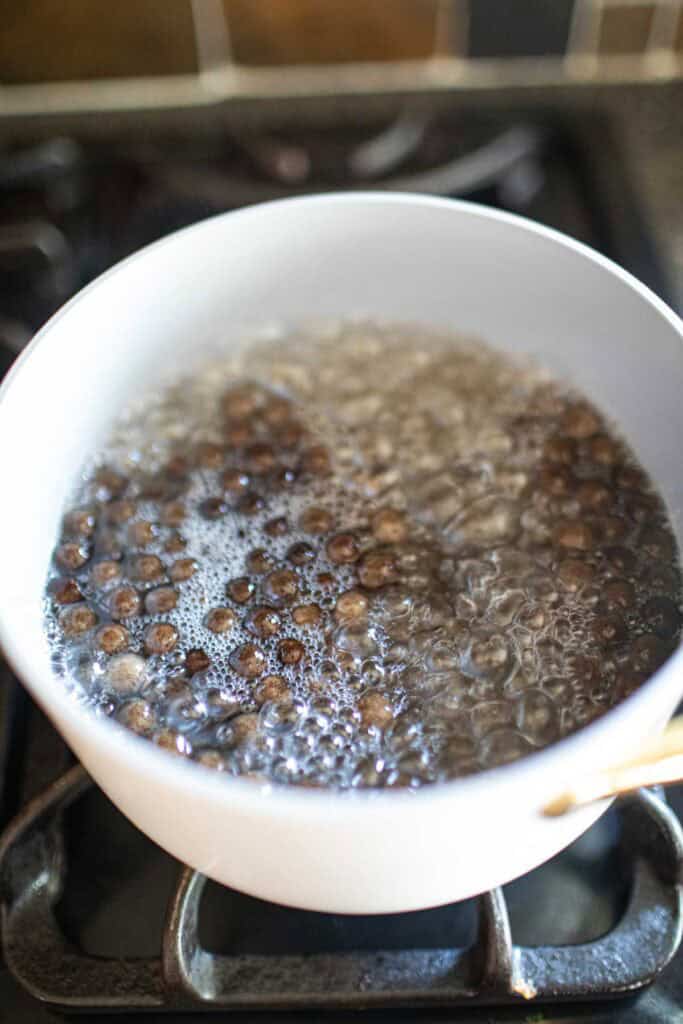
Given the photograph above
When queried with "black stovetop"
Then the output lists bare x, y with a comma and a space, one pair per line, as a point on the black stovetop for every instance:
72, 208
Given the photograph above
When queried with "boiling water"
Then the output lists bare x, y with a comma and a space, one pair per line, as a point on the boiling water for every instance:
362, 556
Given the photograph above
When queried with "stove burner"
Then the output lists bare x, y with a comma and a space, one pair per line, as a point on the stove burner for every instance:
187, 976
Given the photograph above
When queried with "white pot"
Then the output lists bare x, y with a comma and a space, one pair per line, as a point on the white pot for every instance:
521, 287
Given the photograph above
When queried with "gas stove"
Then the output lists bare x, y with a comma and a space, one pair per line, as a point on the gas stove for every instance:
95, 918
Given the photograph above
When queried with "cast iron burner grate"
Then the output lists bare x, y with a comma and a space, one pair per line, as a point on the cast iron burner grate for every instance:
184, 975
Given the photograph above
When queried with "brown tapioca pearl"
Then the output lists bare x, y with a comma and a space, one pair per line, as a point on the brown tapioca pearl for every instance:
662, 617
183, 569
146, 568
580, 422
277, 527
235, 481
243, 726
343, 549
72, 555
212, 759
658, 544
611, 529
316, 520
154, 488
139, 716
316, 461
80, 522
282, 478
389, 526
241, 401
609, 629
605, 451
282, 586
173, 513
574, 533
290, 652
213, 508
377, 568
105, 572
175, 543
259, 561
325, 580
196, 660
277, 410
575, 574
121, 511
160, 638
124, 602
264, 621
77, 619
532, 617
142, 533
647, 653
290, 435
639, 507
307, 615
661, 577
301, 553
126, 673
112, 638
177, 467
594, 496
351, 606
630, 478
66, 592
220, 620
271, 688
174, 742
241, 589
259, 458
560, 449
108, 545
248, 661
250, 504
629, 682
109, 484
556, 480
210, 455
375, 709
238, 433
160, 600
618, 595
620, 560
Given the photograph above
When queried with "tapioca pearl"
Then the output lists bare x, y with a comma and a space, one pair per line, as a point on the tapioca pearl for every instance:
112, 638
175, 544
560, 450
235, 481
378, 568
620, 560
66, 591
124, 602
618, 595
213, 508
126, 673
161, 600
173, 513
72, 555
307, 615
173, 742
263, 622
316, 461
221, 620
574, 534
209, 455
605, 451
290, 651
281, 586
343, 549
389, 526
658, 543
241, 590
183, 569
212, 759
242, 401
662, 617
250, 503
80, 523
121, 511
196, 660
160, 638
259, 561
108, 484
139, 716
248, 661
277, 527
609, 629
142, 533
147, 568
580, 422
575, 574
105, 573
316, 521
594, 496
557, 481
271, 688
77, 619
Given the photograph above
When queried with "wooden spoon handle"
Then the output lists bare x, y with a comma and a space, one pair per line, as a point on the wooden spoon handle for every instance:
658, 764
